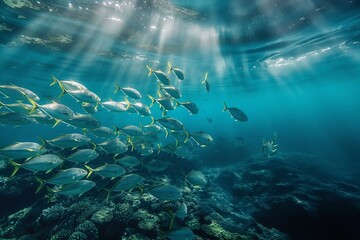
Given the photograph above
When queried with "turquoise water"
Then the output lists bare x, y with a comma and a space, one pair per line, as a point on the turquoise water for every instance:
292, 67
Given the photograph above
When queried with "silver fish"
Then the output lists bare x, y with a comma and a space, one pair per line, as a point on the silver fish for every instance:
155, 165
182, 233
130, 130
85, 95
141, 108
15, 119
202, 138
126, 183
165, 192
115, 106
196, 178
82, 156
182, 211
103, 132
128, 91
128, 161
21, 150
89, 107
76, 188
170, 123
70, 140
190, 106
236, 113
18, 93
63, 177
41, 163
160, 76
69, 85
164, 102
84, 121
172, 91
177, 71
107, 170
55, 110
20, 108
114, 146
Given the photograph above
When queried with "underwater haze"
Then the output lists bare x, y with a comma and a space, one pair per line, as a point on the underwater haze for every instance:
272, 152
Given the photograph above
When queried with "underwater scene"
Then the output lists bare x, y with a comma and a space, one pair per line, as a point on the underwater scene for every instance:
180, 119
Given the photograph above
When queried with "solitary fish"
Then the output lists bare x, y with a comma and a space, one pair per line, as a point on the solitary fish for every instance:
177, 71
236, 113
63, 177
161, 76
196, 178
82, 156
18, 93
128, 91
41, 163
206, 82
15, 119
165, 192
74, 189
21, 150
107, 170
190, 106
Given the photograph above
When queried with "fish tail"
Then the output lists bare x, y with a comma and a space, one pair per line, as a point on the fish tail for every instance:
2, 104
205, 79
57, 121
117, 88
225, 107
55, 80
108, 192
160, 88
152, 120
150, 70
43, 141
35, 105
16, 167
188, 135
176, 103
152, 101
166, 133
42, 184
90, 170
159, 148
170, 67
94, 145
128, 103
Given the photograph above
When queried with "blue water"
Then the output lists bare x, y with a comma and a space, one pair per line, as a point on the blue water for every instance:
291, 66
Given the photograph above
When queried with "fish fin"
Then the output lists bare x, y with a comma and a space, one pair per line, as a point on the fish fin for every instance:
35, 105
131, 143
117, 88
172, 219
16, 167
94, 145
176, 143
108, 192
42, 184
160, 88
176, 103
57, 121
166, 133
152, 120
117, 130
205, 79
152, 101
150, 70
159, 148
225, 107
1, 104
170, 67
90, 170
44, 141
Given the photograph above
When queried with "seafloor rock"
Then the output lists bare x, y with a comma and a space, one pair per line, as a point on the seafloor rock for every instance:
89, 229
215, 231
104, 215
